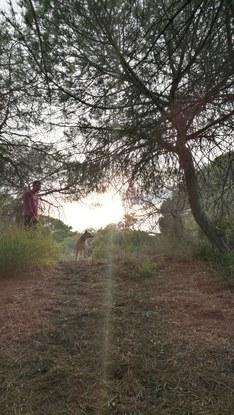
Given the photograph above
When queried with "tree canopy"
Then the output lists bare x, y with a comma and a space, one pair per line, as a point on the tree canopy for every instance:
145, 88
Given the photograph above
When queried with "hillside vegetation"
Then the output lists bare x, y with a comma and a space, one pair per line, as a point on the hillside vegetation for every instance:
22, 249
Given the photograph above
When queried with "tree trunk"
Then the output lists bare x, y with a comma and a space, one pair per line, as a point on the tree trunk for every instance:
214, 235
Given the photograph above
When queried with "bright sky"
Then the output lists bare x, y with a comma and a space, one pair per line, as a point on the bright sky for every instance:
96, 211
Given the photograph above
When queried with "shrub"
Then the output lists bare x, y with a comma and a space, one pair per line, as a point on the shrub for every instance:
204, 251
133, 268
174, 247
67, 247
113, 243
222, 261
22, 249
147, 269
227, 263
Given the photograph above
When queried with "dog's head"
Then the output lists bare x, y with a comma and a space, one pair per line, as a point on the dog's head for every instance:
88, 235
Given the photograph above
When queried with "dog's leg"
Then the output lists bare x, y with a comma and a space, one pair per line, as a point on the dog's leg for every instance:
77, 253
85, 249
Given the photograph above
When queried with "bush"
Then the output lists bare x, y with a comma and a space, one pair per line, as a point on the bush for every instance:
113, 243
205, 251
227, 263
147, 269
134, 268
222, 261
22, 249
177, 248
67, 247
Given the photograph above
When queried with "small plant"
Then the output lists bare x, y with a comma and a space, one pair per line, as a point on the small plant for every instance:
135, 269
205, 251
224, 261
227, 262
147, 269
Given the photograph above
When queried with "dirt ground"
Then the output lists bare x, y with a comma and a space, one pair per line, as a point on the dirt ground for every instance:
94, 338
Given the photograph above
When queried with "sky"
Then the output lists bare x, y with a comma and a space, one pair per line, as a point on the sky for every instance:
95, 211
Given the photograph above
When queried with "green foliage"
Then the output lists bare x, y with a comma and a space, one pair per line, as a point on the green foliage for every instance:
222, 261
134, 268
178, 248
134, 126
22, 249
228, 227
179, 230
111, 242
7, 209
226, 261
67, 247
217, 191
217, 187
61, 234
57, 228
147, 269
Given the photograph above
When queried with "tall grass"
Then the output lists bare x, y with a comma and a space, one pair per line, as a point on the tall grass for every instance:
22, 249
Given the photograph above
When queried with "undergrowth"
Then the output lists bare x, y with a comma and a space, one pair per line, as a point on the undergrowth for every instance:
122, 244
133, 268
22, 249
176, 248
223, 261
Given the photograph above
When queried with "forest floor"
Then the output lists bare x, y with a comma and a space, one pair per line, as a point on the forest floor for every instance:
93, 338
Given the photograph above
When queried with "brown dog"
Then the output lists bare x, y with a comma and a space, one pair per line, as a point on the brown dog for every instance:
83, 244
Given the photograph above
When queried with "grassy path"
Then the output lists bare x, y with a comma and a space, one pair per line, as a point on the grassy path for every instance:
97, 339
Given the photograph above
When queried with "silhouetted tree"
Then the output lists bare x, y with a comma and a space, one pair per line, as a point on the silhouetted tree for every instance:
147, 84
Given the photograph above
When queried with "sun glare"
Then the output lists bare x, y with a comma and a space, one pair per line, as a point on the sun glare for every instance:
96, 211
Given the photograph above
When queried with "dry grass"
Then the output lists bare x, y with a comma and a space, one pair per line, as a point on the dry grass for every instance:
87, 339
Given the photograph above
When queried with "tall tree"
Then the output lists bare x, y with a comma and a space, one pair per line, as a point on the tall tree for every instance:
23, 155
148, 84
27, 150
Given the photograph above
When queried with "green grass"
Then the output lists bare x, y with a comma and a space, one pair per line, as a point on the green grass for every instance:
22, 249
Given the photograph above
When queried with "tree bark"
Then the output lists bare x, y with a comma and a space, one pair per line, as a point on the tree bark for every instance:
213, 234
